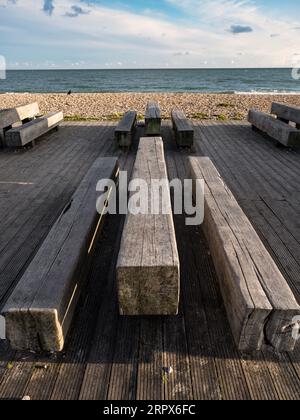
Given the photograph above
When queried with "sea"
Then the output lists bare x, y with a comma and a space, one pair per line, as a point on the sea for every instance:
250, 81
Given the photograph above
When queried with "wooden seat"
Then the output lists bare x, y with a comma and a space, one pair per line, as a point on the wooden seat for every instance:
286, 113
39, 312
148, 272
259, 303
125, 129
19, 115
281, 132
29, 132
153, 119
184, 132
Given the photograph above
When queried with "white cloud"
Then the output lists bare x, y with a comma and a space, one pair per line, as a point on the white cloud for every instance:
116, 36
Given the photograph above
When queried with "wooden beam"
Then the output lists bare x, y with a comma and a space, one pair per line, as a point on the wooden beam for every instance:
286, 112
148, 266
28, 133
184, 132
276, 129
11, 116
40, 310
259, 303
125, 129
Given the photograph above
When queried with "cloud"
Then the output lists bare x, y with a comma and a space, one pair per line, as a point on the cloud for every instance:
48, 7
76, 11
240, 29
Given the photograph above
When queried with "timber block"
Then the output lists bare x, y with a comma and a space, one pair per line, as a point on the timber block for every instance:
125, 129
29, 132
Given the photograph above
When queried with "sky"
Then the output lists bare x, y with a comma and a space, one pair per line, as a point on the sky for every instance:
43, 34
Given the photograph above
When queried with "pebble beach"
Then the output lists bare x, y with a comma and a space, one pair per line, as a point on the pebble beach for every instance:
110, 106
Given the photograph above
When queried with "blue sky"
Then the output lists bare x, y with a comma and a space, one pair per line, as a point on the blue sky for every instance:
150, 33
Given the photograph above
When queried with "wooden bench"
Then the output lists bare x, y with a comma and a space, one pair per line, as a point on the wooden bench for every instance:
148, 272
39, 312
184, 132
281, 132
31, 131
286, 113
259, 303
13, 116
125, 129
153, 119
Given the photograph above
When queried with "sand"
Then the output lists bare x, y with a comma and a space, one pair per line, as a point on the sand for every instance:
112, 105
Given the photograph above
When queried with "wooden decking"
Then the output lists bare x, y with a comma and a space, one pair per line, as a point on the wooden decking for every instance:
109, 357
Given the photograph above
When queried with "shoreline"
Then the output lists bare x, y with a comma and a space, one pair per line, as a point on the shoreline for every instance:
104, 106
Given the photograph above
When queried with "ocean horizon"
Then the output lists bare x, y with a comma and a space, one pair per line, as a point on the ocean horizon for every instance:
248, 81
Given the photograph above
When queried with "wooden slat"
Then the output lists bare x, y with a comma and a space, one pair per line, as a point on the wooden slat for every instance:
148, 265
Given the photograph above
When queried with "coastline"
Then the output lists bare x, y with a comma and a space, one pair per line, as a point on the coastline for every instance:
111, 106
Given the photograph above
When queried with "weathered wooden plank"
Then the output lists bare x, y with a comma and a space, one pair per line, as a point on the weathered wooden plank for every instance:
39, 312
100, 361
278, 130
153, 119
84, 331
258, 300
148, 264
286, 112
29, 132
9, 117
184, 132
217, 369
125, 129
199, 361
